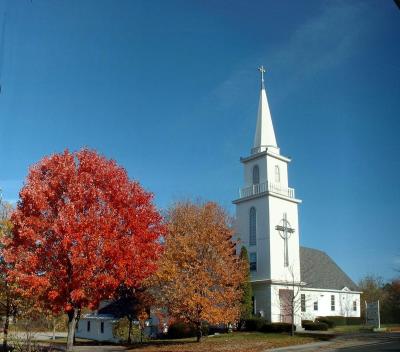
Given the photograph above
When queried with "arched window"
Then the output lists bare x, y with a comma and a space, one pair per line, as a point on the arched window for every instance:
253, 226
277, 174
256, 175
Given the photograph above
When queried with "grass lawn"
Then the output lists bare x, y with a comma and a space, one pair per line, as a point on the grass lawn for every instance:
237, 341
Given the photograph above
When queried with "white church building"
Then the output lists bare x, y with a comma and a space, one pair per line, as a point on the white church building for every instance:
285, 277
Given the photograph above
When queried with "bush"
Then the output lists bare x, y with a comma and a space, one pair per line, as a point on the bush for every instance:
337, 320
180, 330
354, 321
305, 322
331, 324
277, 327
254, 324
317, 326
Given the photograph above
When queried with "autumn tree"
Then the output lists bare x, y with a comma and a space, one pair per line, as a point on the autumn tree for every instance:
371, 287
8, 297
199, 275
246, 303
391, 305
81, 229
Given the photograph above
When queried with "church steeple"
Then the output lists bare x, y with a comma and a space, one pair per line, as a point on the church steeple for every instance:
265, 135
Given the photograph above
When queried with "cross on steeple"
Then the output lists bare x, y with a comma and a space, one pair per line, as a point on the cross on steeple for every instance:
285, 231
262, 70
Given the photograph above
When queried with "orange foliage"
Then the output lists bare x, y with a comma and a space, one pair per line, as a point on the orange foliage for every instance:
199, 275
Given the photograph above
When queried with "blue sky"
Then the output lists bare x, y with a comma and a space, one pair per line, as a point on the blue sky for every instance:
169, 89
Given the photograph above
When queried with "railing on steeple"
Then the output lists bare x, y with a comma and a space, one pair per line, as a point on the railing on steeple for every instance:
266, 187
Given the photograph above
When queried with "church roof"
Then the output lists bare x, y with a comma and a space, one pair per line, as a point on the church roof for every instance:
318, 270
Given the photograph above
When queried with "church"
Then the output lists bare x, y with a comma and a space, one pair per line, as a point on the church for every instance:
287, 280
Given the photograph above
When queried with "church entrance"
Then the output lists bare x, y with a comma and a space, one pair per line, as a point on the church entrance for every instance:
286, 305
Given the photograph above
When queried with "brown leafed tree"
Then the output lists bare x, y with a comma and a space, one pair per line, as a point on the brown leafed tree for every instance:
199, 275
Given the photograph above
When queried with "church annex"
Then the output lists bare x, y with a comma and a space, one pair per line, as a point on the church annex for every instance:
286, 278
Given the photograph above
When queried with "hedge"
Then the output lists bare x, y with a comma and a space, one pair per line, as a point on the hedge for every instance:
254, 324
317, 326
331, 324
277, 327
338, 321
305, 322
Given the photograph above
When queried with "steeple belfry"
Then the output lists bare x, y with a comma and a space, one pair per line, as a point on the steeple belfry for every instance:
265, 135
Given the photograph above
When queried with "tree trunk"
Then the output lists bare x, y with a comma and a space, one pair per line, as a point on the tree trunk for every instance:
292, 332
78, 317
7, 320
5, 330
129, 331
199, 332
54, 328
72, 319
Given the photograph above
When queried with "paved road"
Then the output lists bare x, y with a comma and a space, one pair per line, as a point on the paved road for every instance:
380, 346
379, 342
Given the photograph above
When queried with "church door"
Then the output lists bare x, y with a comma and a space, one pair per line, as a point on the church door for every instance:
286, 305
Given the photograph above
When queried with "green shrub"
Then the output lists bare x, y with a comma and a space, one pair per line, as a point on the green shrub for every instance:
277, 327
354, 321
317, 326
254, 324
305, 322
326, 320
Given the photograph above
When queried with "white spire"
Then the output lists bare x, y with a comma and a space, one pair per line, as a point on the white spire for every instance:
265, 135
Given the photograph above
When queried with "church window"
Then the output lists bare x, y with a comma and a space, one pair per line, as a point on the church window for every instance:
256, 175
316, 305
88, 325
277, 174
332, 302
253, 226
303, 302
102, 327
253, 261
355, 306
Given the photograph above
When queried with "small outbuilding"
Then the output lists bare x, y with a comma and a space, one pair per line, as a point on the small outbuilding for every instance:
100, 325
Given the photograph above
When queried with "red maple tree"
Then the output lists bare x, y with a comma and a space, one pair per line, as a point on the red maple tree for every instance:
81, 229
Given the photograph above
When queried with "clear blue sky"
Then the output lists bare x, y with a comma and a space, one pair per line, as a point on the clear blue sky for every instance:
169, 89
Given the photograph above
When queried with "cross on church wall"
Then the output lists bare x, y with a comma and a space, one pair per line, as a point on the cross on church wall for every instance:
285, 232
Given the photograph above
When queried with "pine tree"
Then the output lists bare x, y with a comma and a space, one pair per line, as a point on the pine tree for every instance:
246, 307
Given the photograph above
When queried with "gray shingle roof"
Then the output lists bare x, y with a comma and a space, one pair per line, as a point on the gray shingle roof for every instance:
318, 270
